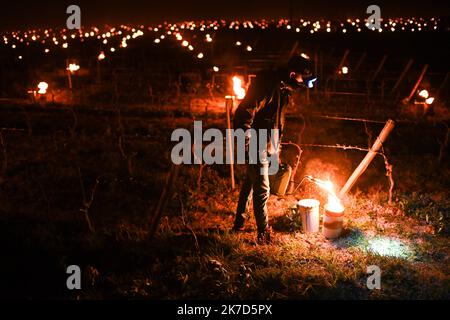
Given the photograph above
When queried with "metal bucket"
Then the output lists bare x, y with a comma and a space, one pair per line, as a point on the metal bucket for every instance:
308, 209
280, 182
333, 223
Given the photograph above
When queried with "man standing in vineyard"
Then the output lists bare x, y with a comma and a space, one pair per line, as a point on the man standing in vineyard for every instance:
263, 109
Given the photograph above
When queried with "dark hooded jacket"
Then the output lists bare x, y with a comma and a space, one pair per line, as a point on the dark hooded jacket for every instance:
264, 104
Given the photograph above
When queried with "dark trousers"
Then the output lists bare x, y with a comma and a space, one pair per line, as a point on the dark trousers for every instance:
256, 182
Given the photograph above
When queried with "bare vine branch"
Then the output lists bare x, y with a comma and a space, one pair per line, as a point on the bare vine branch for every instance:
389, 168
186, 225
75, 121
128, 157
336, 146
87, 202
369, 135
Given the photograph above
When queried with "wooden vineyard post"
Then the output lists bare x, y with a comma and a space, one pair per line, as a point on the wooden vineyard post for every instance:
293, 49
229, 101
341, 64
380, 66
402, 75
359, 63
416, 86
390, 124
442, 86
338, 70
69, 75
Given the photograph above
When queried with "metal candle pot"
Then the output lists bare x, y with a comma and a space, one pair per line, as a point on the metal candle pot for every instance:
333, 221
309, 211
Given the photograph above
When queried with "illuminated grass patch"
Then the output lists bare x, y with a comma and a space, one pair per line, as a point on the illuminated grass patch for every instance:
389, 247
379, 245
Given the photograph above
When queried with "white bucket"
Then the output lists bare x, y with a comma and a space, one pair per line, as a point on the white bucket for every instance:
332, 223
309, 211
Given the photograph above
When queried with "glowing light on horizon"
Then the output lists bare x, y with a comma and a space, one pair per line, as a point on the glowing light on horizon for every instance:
43, 87
101, 56
73, 67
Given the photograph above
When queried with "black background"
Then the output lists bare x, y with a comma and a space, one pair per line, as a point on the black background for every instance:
19, 15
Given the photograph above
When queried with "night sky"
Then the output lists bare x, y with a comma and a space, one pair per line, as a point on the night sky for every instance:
18, 15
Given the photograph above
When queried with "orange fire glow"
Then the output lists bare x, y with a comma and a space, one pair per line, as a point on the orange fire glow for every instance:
429, 101
73, 67
101, 56
334, 203
424, 94
42, 86
239, 91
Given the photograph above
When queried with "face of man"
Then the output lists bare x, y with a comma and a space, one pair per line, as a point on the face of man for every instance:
297, 80
297, 77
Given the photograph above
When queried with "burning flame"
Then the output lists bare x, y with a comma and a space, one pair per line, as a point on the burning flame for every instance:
73, 67
424, 94
239, 91
334, 203
101, 56
429, 101
304, 56
42, 86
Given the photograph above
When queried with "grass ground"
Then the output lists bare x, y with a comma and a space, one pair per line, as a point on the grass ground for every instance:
412, 257
48, 182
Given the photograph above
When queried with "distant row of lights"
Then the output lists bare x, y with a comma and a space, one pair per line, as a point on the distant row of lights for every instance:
49, 37
125, 33
62, 36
